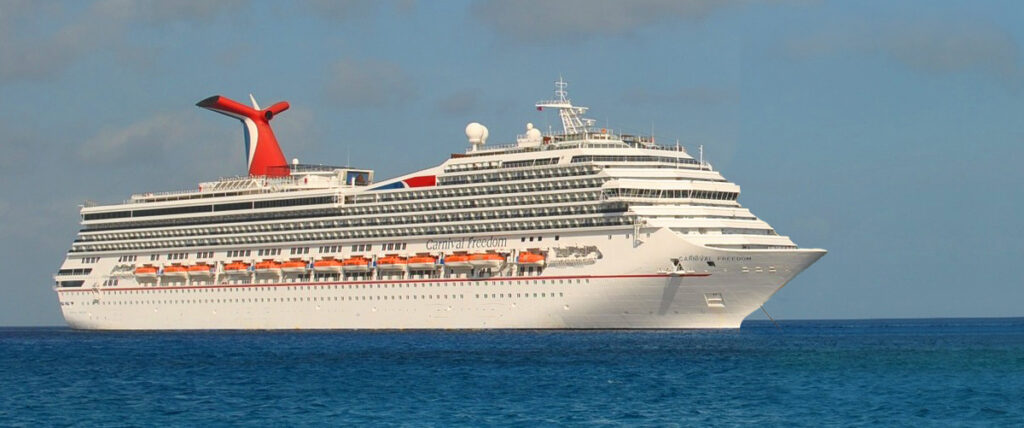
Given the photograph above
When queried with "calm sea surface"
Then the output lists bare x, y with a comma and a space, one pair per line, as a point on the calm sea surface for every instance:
810, 373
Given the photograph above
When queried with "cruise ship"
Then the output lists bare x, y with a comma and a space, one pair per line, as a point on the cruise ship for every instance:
578, 228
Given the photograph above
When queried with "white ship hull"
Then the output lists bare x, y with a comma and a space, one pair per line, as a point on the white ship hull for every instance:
632, 286
619, 232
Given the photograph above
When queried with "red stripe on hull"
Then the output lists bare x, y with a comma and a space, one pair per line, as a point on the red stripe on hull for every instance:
396, 281
421, 181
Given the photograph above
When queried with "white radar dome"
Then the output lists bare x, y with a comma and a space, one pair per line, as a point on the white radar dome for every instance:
532, 134
476, 133
532, 138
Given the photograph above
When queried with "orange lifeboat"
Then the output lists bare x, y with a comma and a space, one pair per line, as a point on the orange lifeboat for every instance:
294, 266
527, 258
487, 260
268, 266
236, 268
176, 271
327, 266
422, 262
392, 263
356, 264
146, 271
200, 270
457, 261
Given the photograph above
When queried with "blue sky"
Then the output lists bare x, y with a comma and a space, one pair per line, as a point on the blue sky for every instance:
886, 132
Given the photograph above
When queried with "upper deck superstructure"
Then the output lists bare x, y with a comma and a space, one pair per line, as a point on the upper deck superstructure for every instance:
579, 189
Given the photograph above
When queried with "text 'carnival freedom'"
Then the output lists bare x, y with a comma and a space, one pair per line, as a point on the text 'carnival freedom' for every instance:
466, 243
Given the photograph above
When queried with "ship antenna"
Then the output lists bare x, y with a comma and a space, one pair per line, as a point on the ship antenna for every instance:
253, 99
573, 121
677, 149
701, 148
560, 93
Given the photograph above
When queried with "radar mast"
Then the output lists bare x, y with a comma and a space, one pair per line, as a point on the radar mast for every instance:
573, 121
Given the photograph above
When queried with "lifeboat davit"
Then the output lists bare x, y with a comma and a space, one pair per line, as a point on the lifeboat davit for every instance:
487, 260
236, 268
392, 263
294, 266
146, 272
327, 266
457, 261
422, 262
200, 271
527, 258
268, 266
356, 264
176, 271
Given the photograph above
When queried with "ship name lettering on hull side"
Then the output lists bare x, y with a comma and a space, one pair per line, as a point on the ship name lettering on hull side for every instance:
703, 258
466, 243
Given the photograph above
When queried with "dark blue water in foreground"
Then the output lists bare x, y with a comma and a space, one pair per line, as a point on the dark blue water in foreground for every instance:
902, 372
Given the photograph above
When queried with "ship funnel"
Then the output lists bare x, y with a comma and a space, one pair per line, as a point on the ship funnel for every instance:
263, 154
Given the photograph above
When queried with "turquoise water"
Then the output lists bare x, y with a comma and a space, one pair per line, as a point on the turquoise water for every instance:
808, 373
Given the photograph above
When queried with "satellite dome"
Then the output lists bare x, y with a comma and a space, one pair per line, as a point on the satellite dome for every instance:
476, 133
532, 134
532, 138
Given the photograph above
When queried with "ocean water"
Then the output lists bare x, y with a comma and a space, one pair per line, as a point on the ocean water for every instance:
936, 372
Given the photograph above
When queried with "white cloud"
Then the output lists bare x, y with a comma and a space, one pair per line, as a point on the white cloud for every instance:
460, 103
5, 211
340, 10
694, 95
149, 138
190, 146
351, 10
168, 143
369, 83
18, 149
545, 21
925, 46
39, 40
297, 131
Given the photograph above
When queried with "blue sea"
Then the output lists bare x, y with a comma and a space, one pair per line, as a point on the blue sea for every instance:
933, 372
